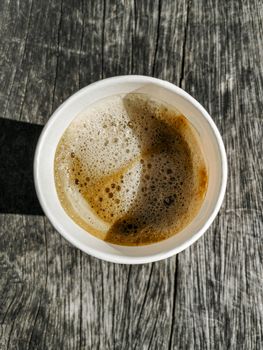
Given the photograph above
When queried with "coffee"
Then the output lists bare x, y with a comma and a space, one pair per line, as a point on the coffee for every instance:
130, 170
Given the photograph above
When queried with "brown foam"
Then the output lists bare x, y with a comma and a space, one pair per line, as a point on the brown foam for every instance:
138, 166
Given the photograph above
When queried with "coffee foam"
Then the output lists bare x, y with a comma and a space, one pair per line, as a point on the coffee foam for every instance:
130, 170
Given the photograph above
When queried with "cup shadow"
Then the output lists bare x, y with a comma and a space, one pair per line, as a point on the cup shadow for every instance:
17, 146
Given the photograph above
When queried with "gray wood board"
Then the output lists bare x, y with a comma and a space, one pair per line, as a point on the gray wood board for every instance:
208, 297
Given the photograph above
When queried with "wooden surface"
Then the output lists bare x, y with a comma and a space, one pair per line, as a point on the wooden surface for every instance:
211, 295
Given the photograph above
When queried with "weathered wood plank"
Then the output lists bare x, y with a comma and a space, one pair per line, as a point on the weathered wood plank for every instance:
219, 298
28, 56
22, 284
169, 48
117, 35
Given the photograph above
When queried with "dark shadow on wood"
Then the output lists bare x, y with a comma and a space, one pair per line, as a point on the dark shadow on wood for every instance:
17, 146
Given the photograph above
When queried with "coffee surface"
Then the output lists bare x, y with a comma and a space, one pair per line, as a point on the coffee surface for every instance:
130, 170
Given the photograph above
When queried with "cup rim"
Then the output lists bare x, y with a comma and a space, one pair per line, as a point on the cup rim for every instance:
133, 259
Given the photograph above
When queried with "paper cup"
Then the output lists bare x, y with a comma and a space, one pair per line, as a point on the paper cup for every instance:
212, 145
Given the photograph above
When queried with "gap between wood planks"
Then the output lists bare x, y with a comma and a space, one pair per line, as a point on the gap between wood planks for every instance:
180, 85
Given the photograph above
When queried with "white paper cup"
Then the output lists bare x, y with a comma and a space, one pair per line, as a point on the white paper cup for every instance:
211, 142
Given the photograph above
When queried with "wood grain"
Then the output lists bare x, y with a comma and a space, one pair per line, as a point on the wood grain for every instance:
208, 297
